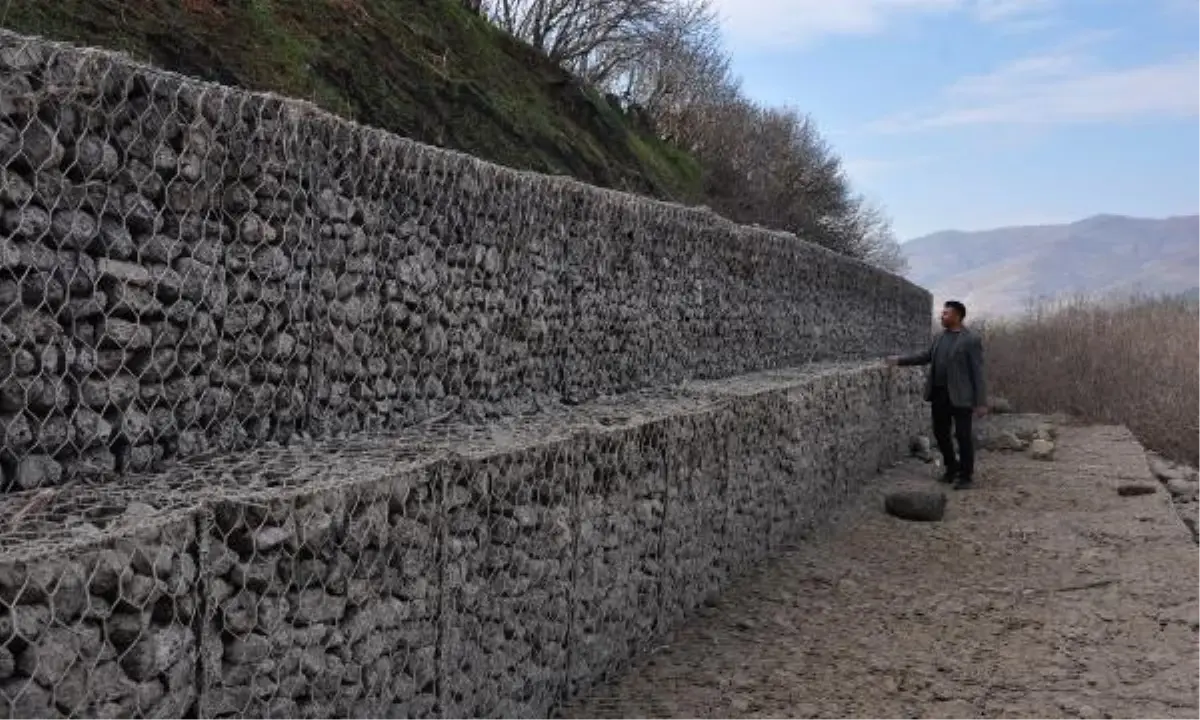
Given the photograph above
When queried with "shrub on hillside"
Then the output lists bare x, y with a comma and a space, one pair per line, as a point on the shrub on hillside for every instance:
1134, 363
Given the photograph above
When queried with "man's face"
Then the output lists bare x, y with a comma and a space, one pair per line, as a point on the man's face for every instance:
949, 317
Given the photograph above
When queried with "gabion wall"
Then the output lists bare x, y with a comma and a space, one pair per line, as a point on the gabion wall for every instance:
301, 419
464, 573
187, 268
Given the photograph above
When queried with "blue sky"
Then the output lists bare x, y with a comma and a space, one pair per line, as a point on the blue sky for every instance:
972, 114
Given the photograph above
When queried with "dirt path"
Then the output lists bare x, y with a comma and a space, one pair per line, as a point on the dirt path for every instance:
1042, 594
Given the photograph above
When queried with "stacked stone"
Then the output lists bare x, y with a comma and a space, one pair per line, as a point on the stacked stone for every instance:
191, 268
804, 465
324, 604
160, 299
507, 582
260, 382
618, 576
105, 628
494, 582
520, 324
186, 268
695, 566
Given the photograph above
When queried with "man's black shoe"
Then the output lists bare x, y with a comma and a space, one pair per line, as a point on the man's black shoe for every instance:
948, 476
964, 483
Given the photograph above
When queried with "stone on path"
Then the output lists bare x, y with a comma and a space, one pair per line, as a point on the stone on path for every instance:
999, 405
1041, 449
917, 505
1182, 489
922, 448
1007, 440
1163, 470
1133, 489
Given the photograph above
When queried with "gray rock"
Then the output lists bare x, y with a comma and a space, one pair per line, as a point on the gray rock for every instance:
1041, 449
90, 427
127, 300
15, 432
1134, 489
94, 686
10, 254
247, 649
917, 505
58, 649
29, 222
314, 605
73, 229
14, 190
8, 663
1006, 440
106, 572
1162, 469
921, 448
28, 700
156, 651
96, 158
120, 271
1182, 489
117, 391
34, 471
114, 332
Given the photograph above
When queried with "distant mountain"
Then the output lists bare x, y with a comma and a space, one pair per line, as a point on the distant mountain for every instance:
999, 272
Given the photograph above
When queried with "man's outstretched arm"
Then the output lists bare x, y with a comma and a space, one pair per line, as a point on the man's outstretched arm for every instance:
922, 358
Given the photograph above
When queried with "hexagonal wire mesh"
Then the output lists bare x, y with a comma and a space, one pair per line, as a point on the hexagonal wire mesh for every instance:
383, 430
98, 604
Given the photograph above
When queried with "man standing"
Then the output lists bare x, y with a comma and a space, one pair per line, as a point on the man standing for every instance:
955, 387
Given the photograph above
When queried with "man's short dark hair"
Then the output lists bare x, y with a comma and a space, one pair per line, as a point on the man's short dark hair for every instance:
958, 307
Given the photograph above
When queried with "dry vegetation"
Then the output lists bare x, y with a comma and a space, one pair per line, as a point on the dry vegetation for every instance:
1134, 363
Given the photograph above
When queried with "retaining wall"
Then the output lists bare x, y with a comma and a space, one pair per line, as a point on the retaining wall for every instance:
384, 430
187, 268
462, 574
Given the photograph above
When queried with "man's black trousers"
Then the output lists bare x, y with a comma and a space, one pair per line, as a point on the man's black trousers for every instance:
944, 416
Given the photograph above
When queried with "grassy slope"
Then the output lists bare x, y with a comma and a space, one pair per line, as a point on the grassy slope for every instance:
425, 69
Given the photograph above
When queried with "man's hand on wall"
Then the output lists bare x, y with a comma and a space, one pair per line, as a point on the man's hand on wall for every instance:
981, 411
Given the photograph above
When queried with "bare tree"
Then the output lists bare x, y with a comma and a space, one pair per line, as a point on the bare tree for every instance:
876, 241
674, 60
766, 166
591, 37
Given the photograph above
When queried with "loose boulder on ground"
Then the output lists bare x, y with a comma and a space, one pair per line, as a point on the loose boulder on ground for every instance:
916, 505
1015, 432
1182, 489
1163, 470
999, 405
1041, 449
921, 448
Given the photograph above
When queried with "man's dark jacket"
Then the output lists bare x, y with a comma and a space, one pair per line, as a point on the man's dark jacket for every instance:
964, 375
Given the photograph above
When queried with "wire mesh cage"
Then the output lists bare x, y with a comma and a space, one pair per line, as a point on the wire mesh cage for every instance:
299, 418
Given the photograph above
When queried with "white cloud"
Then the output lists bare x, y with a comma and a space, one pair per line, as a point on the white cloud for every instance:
793, 22
787, 23
1062, 88
1009, 10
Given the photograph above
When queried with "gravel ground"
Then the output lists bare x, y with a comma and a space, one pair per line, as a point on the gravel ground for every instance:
1043, 593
